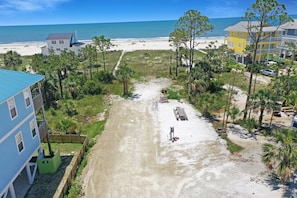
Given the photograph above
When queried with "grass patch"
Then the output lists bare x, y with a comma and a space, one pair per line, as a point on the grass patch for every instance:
232, 147
65, 148
94, 129
149, 62
173, 95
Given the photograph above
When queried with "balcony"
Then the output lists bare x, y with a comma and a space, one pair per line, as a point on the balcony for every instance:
38, 102
43, 130
290, 37
267, 40
268, 51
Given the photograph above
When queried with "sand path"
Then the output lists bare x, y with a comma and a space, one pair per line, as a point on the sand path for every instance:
134, 158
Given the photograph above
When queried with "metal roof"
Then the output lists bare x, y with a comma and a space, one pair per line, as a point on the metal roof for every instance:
242, 27
61, 36
12, 82
290, 25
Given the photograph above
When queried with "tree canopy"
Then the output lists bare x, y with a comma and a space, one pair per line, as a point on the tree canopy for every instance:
192, 25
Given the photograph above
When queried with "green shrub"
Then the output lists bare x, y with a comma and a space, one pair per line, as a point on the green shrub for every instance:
66, 126
104, 77
69, 108
92, 88
173, 95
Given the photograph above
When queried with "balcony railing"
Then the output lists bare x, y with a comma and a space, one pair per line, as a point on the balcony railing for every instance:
293, 37
38, 102
43, 130
269, 39
263, 51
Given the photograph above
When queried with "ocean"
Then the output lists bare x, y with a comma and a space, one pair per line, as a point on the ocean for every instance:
121, 30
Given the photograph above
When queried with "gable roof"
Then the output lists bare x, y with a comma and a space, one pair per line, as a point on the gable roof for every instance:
61, 36
242, 27
290, 25
12, 82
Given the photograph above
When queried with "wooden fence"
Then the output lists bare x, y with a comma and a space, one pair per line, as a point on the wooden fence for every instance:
72, 167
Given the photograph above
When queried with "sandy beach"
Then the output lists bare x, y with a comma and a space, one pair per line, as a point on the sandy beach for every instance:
31, 48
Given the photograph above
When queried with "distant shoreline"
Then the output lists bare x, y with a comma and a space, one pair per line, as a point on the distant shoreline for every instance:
126, 44
112, 39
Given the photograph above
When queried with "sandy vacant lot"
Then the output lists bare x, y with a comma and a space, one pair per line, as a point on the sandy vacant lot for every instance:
134, 157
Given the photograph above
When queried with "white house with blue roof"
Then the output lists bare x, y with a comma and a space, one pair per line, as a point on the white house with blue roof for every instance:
20, 132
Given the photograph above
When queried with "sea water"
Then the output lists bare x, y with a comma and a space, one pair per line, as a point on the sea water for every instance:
121, 30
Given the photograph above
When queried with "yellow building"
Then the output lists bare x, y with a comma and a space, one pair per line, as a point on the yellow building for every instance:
238, 39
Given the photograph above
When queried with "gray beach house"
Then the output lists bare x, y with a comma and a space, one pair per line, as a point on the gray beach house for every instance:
58, 42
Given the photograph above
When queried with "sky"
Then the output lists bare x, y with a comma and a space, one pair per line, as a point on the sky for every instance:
39, 12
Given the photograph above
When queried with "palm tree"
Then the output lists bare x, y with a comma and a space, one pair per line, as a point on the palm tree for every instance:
102, 45
49, 89
262, 99
69, 62
89, 52
12, 59
123, 74
38, 63
282, 155
72, 86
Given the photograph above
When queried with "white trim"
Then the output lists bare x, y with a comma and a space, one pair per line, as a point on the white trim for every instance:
15, 128
19, 140
34, 127
12, 105
26, 93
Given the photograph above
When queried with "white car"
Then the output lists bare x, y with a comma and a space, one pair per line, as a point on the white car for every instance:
269, 63
268, 72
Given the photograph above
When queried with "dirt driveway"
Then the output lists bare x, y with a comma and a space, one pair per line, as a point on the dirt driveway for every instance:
134, 157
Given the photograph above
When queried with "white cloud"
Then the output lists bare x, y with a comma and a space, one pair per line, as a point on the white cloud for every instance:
10, 6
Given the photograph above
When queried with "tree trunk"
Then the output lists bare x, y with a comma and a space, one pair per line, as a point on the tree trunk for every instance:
91, 76
103, 60
60, 83
177, 62
125, 87
251, 80
261, 116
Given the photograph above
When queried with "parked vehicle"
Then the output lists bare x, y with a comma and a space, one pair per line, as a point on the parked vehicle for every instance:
268, 72
270, 63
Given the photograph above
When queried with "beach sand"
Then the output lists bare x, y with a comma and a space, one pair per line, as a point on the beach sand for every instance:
27, 49
135, 158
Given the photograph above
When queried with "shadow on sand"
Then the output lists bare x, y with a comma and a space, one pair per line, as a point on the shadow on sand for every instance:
289, 187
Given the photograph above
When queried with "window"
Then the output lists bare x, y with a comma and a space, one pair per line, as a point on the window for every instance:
12, 108
19, 142
58, 49
33, 128
61, 42
54, 42
271, 46
27, 97
239, 45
